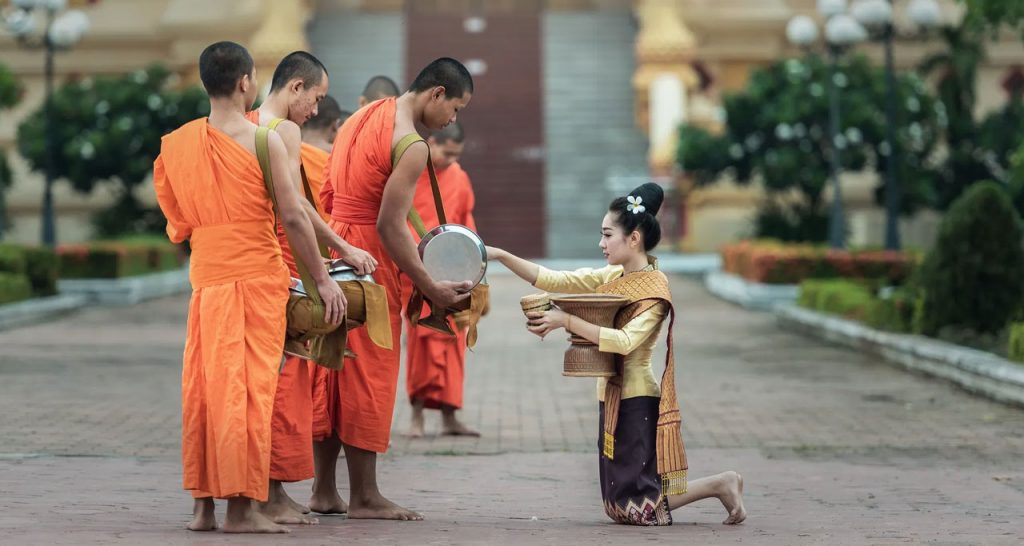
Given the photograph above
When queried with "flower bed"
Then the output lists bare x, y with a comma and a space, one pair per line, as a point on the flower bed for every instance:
769, 262
118, 259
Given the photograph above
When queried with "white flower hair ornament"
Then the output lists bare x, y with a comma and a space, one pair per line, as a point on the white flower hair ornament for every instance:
634, 204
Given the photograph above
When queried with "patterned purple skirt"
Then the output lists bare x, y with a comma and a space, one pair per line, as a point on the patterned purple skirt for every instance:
630, 484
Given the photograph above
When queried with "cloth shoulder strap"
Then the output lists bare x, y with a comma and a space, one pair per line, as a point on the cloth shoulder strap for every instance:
414, 216
263, 155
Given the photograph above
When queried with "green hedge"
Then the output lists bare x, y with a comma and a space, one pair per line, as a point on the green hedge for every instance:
1016, 346
42, 266
14, 287
38, 264
857, 301
12, 259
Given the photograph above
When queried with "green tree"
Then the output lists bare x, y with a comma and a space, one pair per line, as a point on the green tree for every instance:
971, 279
777, 132
109, 131
955, 70
994, 13
11, 92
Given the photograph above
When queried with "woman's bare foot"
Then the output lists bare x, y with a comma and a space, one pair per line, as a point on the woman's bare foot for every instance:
378, 507
203, 518
327, 503
732, 497
242, 518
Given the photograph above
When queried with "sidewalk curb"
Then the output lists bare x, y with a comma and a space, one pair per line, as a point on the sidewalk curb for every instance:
975, 371
751, 295
128, 290
27, 312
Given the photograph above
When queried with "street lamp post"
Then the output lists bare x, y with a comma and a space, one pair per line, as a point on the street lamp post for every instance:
59, 32
877, 16
841, 32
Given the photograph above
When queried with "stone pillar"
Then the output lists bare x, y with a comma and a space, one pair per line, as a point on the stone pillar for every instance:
664, 78
282, 31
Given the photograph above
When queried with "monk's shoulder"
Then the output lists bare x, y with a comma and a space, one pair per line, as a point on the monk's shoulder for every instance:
290, 133
185, 132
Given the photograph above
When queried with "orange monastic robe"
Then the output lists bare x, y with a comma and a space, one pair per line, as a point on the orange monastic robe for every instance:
211, 190
435, 362
291, 436
362, 394
314, 161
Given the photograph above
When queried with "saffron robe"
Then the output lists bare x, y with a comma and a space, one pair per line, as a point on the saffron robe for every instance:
362, 394
291, 436
435, 362
210, 189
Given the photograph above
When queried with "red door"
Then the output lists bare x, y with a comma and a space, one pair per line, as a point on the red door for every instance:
504, 153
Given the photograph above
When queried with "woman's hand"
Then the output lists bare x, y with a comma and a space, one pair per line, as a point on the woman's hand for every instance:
542, 323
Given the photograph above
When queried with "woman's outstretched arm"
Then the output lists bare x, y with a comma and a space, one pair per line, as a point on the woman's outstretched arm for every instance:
524, 269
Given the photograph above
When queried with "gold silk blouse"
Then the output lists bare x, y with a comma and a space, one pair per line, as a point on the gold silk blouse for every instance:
636, 340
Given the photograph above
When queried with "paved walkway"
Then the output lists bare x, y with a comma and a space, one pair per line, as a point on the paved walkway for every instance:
835, 447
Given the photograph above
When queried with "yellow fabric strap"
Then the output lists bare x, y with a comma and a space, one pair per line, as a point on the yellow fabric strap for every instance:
306, 188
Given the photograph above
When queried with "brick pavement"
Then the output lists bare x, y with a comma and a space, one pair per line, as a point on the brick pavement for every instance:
836, 448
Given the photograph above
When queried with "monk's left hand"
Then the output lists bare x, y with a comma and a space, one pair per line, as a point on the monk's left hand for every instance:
361, 260
334, 301
542, 323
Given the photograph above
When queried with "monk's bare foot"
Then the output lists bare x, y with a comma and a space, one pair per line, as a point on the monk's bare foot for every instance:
457, 428
328, 503
451, 426
378, 507
242, 518
300, 508
283, 513
732, 497
203, 518
416, 427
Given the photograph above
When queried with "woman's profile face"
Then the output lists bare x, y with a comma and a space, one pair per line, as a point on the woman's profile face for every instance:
615, 244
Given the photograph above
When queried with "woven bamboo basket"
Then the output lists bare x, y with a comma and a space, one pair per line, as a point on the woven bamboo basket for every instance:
582, 358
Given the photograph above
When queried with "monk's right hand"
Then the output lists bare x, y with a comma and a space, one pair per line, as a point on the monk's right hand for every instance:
448, 293
334, 301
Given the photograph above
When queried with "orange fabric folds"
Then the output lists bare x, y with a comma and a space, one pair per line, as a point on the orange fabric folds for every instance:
211, 190
435, 362
361, 397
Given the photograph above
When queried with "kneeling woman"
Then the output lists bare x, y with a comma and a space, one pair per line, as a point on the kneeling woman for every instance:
642, 459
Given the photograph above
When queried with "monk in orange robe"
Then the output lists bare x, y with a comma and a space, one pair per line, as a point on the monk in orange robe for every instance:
435, 362
299, 83
210, 188
318, 136
379, 87
370, 202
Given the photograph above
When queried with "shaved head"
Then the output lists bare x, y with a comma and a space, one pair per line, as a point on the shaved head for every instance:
328, 112
380, 87
221, 65
444, 72
298, 65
